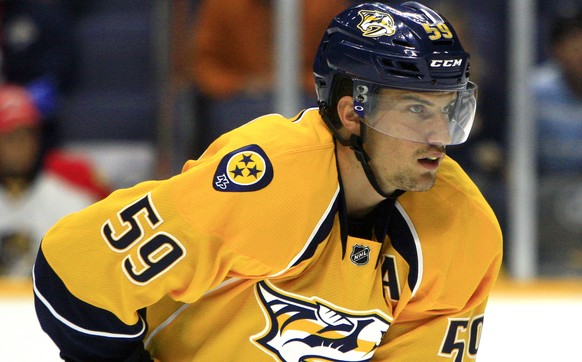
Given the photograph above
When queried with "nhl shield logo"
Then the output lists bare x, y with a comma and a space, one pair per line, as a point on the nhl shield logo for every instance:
360, 255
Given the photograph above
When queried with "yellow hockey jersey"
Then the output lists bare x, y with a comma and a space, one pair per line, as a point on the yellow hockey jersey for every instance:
248, 255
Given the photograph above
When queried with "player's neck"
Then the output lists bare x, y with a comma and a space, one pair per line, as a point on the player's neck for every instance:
361, 198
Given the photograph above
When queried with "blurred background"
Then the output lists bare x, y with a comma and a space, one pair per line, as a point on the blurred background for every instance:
100, 95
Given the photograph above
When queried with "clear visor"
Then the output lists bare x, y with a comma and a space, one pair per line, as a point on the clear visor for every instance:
432, 117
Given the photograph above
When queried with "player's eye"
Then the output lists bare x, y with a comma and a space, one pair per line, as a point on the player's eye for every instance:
416, 108
448, 108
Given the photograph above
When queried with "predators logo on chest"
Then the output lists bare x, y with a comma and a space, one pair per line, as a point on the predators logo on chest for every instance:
312, 329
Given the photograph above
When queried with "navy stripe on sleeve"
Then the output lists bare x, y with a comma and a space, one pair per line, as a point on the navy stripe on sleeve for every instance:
81, 331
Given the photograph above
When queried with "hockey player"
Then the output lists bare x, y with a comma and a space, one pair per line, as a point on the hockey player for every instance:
342, 234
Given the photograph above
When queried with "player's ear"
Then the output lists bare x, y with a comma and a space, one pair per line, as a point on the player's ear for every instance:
348, 117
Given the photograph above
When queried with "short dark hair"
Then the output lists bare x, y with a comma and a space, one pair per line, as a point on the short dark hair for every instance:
563, 26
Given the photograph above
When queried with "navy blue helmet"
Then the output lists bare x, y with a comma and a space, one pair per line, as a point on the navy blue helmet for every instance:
407, 46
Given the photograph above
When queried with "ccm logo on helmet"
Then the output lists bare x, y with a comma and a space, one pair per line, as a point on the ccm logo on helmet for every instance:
438, 63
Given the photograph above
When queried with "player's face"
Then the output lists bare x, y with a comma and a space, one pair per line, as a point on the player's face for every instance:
408, 165
18, 151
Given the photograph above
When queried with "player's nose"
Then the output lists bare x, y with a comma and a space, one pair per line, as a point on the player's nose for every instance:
439, 133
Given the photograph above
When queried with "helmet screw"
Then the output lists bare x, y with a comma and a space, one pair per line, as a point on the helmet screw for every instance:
362, 89
361, 98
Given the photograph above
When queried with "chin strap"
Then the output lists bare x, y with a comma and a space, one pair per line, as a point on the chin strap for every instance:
356, 143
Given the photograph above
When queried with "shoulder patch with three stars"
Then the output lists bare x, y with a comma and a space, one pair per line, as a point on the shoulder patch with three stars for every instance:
245, 169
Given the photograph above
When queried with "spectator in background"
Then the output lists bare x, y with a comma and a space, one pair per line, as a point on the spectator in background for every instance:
233, 59
38, 52
557, 92
35, 191
557, 88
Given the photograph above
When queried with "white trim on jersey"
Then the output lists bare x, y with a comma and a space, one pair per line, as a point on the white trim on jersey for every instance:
164, 324
78, 328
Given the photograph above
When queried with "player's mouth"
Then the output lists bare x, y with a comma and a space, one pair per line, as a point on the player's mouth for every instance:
431, 162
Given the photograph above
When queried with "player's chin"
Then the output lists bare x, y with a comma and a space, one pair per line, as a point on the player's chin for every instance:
419, 184
424, 182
